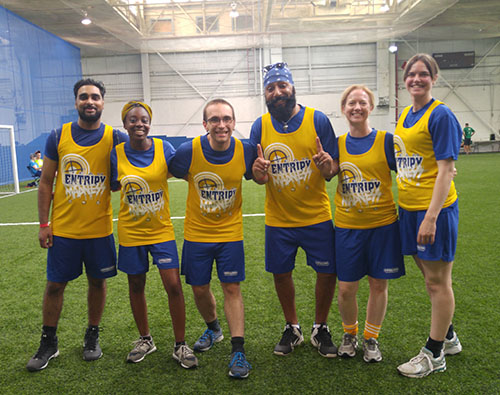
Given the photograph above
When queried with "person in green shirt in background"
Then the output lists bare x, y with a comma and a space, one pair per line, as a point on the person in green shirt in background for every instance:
468, 133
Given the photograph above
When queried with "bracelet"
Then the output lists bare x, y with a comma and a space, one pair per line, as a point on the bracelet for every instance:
46, 225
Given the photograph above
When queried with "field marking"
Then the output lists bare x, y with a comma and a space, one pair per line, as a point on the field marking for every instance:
114, 220
15, 194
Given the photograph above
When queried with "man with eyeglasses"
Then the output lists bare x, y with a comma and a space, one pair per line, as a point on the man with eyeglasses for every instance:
213, 165
295, 145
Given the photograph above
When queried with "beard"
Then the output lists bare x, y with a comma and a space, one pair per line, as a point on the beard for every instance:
89, 118
280, 112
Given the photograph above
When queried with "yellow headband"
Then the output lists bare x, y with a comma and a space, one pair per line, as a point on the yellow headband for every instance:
131, 104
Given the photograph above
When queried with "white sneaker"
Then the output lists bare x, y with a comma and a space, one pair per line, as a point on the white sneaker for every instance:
185, 356
423, 364
348, 346
371, 350
452, 346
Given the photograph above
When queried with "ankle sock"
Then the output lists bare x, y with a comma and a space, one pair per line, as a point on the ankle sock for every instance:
434, 346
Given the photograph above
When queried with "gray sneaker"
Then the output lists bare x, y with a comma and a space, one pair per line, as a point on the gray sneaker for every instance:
292, 337
239, 367
423, 364
142, 347
91, 348
208, 339
185, 356
452, 346
348, 346
46, 351
322, 340
371, 350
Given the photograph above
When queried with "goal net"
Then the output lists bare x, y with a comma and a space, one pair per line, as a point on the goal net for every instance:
9, 180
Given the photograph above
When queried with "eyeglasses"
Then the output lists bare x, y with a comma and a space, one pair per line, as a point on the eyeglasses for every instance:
216, 120
280, 65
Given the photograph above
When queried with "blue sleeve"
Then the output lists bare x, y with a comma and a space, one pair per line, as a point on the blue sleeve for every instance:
250, 154
181, 162
446, 133
119, 137
256, 132
115, 184
169, 152
336, 154
51, 145
325, 133
389, 151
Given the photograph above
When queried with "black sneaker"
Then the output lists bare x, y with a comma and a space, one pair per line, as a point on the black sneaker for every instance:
91, 348
46, 351
322, 340
292, 336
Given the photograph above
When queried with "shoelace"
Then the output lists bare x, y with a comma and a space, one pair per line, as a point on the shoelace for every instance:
240, 361
324, 336
142, 344
185, 352
287, 335
91, 340
45, 344
208, 335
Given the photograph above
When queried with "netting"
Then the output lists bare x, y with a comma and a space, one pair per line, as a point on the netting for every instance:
37, 74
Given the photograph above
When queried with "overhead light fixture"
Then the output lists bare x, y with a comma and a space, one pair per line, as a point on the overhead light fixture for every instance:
393, 47
385, 8
86, 20
234, 12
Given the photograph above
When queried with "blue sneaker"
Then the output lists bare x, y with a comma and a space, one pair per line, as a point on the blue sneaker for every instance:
239, 368
207, 340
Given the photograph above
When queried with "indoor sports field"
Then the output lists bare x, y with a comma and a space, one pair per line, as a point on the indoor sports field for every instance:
476, 286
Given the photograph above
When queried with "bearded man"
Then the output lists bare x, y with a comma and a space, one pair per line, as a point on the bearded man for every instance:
295, 145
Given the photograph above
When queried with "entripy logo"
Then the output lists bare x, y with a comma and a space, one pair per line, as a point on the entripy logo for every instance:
285, 170
355, 189
139, 198
78, 181
214, 197
409, 167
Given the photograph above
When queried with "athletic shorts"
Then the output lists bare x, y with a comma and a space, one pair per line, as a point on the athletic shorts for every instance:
198, 259
66, 256
467, 141
445, 243
134, 260
374, 252
318, 242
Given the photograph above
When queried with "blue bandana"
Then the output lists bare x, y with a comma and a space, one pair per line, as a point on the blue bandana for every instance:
277, 72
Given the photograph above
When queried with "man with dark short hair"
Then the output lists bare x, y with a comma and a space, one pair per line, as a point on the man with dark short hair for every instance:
80, 230
467, 133
214, 165
295, 145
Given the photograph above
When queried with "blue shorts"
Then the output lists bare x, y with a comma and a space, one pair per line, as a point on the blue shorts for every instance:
445, 244
198, 259
374, 252
65, 258
134, 260
316, 240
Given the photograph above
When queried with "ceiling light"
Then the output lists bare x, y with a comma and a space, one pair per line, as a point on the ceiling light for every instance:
385, 8
234, 13
86, 20
393, 47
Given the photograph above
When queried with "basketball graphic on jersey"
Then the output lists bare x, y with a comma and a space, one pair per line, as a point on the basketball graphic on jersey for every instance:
214, 197
139, 198
285, 170
78, 180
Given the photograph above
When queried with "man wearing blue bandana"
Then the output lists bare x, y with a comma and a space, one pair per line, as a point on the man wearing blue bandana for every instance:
295, 146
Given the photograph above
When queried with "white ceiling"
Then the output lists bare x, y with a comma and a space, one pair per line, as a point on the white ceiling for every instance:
280, 22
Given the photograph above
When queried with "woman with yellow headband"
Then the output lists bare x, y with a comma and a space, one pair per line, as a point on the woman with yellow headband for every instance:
140, 169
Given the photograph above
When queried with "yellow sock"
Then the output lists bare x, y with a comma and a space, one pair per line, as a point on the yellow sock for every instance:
371, 330
351, 329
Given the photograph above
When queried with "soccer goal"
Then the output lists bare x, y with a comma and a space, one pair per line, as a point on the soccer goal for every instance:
9, 179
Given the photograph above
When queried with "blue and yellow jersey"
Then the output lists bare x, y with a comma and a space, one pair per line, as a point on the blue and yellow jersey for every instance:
144, 216
213, 208
364, 197
296, 193
416, 163
82, 205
